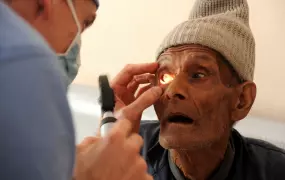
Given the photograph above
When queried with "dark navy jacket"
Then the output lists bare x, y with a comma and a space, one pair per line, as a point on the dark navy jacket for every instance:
253, 160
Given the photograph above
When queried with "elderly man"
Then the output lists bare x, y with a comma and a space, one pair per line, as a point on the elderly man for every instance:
39, 57
206, 67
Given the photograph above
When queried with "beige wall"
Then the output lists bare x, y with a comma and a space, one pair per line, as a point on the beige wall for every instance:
129, 31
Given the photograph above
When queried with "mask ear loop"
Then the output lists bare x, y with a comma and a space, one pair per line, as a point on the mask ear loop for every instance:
75, 40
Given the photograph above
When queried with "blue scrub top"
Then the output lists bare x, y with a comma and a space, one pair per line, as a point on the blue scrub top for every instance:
36, 131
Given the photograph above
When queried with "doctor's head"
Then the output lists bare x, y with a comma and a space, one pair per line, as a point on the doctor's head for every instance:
59, 21
206, 70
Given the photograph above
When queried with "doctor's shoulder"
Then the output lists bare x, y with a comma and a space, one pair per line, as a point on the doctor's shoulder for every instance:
21, 42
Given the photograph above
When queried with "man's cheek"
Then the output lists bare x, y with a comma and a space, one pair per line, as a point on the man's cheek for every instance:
158, 108
215, 111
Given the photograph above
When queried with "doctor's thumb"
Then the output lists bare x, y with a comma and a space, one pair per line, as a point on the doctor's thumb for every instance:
136, 108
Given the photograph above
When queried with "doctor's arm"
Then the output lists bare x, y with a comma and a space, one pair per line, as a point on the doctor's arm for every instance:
36, 131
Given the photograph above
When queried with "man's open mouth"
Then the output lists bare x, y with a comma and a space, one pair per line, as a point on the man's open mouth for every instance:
180, 118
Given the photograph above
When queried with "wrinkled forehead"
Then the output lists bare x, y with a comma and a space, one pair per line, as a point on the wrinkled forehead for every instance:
195, 56
183, 53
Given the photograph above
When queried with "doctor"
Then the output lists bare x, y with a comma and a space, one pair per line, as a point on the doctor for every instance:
36, 131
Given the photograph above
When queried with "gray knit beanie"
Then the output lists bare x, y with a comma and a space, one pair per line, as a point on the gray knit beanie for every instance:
222, 25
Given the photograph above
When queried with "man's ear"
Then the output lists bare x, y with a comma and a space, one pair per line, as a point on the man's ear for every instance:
246, 96
44, 8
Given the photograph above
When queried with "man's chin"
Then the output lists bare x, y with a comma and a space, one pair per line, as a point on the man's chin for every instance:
183, 143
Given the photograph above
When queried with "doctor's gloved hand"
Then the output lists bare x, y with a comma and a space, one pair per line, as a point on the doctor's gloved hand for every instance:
114, 157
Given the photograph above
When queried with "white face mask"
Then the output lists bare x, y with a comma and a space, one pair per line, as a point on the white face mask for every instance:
70, 60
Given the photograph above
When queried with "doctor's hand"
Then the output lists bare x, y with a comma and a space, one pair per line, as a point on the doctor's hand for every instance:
114, 157
127, 81
130, 100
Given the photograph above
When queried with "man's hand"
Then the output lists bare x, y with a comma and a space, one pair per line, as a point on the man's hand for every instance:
115, 157
130, 105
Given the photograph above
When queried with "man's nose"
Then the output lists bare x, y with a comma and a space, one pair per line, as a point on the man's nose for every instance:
177, 89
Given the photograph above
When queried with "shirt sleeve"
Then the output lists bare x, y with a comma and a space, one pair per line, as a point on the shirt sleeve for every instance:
36, 131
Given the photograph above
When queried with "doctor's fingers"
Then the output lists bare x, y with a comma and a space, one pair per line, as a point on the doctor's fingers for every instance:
125, 76
139, 80
87, 142
119, 133
142, 90
135, 109
138, 170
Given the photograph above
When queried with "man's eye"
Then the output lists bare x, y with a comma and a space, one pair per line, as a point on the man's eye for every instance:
198, 75
166, 78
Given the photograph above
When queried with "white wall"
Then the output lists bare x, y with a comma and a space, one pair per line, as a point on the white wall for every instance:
129, 31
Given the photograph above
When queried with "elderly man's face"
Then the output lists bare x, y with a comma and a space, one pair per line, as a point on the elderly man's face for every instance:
201, 95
